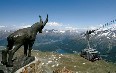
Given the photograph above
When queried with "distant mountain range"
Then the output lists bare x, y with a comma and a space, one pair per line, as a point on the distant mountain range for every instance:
72, 41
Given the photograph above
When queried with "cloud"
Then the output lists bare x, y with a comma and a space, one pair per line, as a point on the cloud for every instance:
70, 28
92, 27
54, 24
2, 26
25, 26
114, 25
13, 27
61, 26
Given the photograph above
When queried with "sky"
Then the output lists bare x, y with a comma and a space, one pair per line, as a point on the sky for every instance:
63, 14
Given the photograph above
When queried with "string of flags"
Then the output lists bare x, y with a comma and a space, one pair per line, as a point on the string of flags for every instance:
113, 21
107, 24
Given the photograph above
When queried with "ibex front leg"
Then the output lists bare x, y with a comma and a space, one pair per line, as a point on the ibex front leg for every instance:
25, 49
30, 48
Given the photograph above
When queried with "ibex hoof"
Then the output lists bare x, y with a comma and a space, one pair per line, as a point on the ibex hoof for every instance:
9, 65
4, 63
29, 55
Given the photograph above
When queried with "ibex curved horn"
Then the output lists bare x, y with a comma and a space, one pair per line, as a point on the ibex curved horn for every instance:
45, 20
40, 19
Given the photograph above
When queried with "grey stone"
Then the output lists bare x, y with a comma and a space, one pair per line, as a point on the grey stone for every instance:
17, 64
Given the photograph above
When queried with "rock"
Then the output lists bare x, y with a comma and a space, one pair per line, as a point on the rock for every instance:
18, 63
30, 68
22, 61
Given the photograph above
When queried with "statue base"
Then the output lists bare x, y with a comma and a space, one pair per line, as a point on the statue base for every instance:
17, 64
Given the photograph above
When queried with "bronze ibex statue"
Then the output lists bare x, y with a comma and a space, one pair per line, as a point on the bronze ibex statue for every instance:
26, 37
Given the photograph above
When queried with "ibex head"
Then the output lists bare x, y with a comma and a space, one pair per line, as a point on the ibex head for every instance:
42, 24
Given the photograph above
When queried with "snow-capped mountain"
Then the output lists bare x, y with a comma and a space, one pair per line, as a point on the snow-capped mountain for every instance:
109, 33
60, 31
104, 40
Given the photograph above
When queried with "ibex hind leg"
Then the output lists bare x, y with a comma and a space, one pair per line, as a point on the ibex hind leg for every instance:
11, 53
5, 52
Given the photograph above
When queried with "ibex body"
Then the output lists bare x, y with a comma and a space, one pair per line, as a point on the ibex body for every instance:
21, 37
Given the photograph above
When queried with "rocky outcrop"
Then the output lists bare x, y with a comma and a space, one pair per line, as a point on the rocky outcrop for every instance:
29, 68
17, 64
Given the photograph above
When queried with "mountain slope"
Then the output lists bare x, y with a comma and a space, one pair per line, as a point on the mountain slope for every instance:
73, 63
50, 62
104, 40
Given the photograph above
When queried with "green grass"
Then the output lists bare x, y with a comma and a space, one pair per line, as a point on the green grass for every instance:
76, 63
